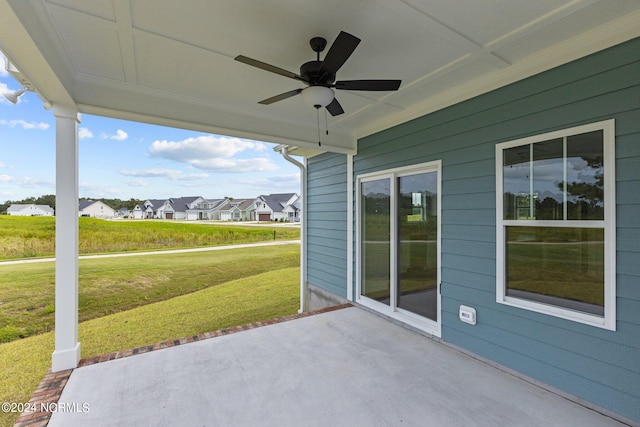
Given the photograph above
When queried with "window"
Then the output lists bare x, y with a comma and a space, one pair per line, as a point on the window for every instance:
555, 222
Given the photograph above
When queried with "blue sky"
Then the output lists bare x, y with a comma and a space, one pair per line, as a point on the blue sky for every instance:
120, 159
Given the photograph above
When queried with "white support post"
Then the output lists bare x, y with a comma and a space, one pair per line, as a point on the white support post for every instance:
67, 347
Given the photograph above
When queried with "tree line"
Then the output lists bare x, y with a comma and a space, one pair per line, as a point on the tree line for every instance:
50, 200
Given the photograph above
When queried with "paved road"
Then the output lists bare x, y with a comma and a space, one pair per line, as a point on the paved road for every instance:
161, 252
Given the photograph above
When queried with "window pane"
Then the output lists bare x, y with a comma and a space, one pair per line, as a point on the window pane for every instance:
585, 176
516, 173
557, 266
376, 239
418, 244
548, 179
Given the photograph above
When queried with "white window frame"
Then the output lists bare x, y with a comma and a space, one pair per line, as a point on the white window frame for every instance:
608, 321
422, 323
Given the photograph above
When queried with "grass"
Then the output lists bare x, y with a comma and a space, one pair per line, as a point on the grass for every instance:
23, 363
565, 263
111, 285
569, 271
30, 237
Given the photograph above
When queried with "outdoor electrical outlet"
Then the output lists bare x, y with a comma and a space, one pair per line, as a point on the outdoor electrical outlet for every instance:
467, 314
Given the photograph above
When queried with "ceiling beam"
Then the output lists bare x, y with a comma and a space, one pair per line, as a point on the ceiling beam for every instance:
125, 36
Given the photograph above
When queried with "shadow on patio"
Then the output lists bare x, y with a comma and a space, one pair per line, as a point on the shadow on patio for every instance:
343, 367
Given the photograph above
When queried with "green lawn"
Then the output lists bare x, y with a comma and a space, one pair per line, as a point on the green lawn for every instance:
23, 363
573, 271
111, 285
29, 237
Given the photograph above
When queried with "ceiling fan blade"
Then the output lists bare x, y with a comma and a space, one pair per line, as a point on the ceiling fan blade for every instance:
280, 97
339, 52
268, 67
334, 108
372, 85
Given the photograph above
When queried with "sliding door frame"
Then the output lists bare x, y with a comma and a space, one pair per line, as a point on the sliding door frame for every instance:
391, 310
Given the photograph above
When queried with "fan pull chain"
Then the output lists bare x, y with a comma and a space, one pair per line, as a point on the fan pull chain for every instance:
326, 124
318, 121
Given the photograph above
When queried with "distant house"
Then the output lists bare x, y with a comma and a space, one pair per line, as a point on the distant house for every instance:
238, 210
190, 208
187, 208
17, 209
155, 208
161, 209
95, 209
142, 211
293, 210
122, 212
212, 209
137, 212
276, 207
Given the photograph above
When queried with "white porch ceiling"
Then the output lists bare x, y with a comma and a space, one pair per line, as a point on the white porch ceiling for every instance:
171, 62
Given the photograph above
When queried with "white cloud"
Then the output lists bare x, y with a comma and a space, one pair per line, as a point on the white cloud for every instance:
24, 124
213, 153
284, 183
3, 66
260, 147
208, 147
3, 165
3, 89
192, 177
172, 174
98, 191
258, 164
26, 181
151, 173
84, 133
136, 183
120, 135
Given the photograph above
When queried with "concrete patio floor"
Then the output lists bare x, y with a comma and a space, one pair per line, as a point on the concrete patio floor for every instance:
347, 367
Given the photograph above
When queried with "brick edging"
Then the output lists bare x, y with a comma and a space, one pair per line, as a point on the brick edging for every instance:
50, 388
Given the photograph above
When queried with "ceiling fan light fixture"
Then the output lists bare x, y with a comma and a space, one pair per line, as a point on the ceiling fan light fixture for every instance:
318, 96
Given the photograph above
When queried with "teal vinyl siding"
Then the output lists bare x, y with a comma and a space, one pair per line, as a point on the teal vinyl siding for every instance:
594, 364
327, 222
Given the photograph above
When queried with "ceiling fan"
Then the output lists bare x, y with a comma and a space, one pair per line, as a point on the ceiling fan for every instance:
320, 76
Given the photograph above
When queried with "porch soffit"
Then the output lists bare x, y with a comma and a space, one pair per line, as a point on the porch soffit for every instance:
159, 61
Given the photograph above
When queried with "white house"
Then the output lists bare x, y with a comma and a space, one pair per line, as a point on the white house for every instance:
154, 208
17, 209
198, 208
273, 207
162, 209
238, 210
142, 212
187, 208
95, 209
292, 210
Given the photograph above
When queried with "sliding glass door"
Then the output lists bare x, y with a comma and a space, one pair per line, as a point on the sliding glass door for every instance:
399, 262
417, 244
376, 235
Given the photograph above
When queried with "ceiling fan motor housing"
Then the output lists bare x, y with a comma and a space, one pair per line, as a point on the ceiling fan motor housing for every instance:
310, 71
